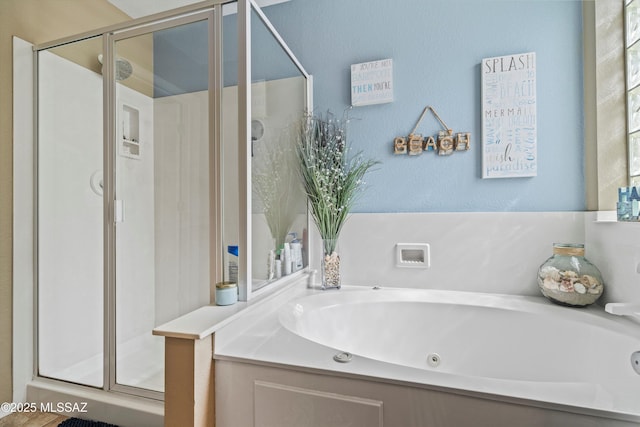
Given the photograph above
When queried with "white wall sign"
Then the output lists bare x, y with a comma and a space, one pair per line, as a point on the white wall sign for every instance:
509, 130
372, 82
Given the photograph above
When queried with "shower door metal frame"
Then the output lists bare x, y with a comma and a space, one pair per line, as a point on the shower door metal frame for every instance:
245, 7
109, 86
211, 11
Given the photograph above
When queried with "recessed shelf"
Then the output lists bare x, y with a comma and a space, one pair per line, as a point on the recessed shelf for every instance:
129, 145
413, 255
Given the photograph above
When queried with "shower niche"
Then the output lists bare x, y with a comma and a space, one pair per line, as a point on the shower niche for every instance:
130, 142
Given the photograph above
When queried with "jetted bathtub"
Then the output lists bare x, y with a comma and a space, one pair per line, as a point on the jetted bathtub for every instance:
522, 350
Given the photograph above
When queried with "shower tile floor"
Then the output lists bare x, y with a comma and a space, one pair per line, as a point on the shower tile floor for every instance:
140, 363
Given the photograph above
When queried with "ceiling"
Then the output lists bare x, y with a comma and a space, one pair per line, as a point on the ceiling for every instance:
139, 8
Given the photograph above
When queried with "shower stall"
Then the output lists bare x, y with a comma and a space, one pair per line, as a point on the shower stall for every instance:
146, 167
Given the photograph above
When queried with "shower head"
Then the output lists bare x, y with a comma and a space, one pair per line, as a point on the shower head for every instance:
124, 69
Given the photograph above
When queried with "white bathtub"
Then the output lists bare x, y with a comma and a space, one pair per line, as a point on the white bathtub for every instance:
497, 347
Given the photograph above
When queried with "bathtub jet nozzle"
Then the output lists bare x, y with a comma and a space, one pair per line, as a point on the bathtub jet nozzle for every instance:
433, 360
343, 357
635, 361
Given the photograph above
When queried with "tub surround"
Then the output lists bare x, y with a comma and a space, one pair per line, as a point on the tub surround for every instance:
257, 356
473, 252
496, 252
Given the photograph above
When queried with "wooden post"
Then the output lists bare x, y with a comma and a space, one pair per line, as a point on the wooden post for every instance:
189, 382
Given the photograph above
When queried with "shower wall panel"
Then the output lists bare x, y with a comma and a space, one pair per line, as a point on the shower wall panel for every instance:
135, 243
70, 303
181, 204
139, 354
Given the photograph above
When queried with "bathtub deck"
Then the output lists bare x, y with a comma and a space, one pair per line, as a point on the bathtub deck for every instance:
32, 419
270, 337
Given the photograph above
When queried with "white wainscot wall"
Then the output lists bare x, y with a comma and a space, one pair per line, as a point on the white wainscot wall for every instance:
497, 252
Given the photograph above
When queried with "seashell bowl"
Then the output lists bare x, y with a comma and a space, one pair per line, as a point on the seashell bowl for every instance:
568, 278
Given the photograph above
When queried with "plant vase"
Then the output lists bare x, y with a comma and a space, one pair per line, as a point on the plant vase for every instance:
331, 179
330, 265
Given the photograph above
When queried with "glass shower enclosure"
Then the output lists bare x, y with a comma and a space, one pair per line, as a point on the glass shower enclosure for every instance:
132, 148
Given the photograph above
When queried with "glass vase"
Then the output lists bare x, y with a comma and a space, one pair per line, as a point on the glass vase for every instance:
330, 264
568, 278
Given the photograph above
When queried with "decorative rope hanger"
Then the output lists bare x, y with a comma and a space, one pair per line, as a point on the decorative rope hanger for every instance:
444, 143
433, 110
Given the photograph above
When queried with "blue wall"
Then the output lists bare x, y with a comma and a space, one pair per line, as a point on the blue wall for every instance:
180, 57
437, 47
180, 60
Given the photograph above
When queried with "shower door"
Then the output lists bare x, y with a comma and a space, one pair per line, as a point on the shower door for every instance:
125, 188
162, 165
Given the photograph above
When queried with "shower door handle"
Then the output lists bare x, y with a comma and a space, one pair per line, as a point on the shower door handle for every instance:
118, 211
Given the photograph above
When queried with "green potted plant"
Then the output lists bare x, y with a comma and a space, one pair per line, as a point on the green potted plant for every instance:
331, 179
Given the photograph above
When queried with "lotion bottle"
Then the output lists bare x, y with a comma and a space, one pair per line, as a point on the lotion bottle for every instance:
287, 259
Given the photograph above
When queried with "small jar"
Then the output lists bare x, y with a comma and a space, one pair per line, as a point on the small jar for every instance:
226, 293
568, 278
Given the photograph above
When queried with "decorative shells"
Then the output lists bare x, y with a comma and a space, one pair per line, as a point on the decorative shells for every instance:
550, 272
579, 288
567, 287
568, 278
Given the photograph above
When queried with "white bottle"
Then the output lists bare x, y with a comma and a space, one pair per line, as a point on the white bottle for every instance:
271, 265
287, 259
